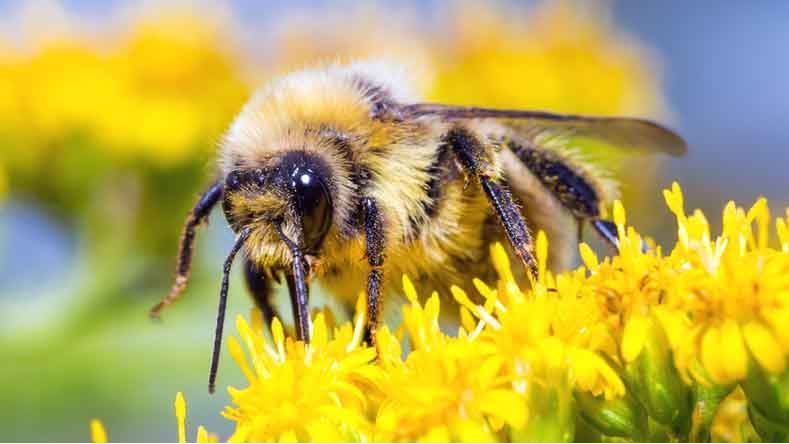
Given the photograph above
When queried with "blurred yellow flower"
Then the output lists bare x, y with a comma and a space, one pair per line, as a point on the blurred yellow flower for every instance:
125, 97
559, 57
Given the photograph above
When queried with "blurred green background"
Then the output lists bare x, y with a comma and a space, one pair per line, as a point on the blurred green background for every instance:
110, 114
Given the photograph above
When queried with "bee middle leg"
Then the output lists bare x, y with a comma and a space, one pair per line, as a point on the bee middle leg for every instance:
473, 155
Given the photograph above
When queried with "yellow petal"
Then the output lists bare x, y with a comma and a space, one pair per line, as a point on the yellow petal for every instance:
778, 319
710, 355
541, 249
462, 298
589, 257
505, 405
278, 335
634, 337
238, 355
483, 289
467, 320
764, 347
289, 436
202, 435
97, 432
733, 352
501, 262
320, 333
552, 350
594, 375
409, 290
675, 201
760, 212
620, 217
436, 434
782, 227
180, 416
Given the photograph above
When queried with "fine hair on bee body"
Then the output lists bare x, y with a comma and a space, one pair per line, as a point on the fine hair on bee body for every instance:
339, 174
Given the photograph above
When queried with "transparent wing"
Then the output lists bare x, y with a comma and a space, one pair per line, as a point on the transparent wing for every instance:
620, 132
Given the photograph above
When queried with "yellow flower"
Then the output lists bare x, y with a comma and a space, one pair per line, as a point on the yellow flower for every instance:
298, 392
733, 291
447, 389
554, 330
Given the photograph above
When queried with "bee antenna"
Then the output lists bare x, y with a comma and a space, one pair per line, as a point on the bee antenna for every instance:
220, 313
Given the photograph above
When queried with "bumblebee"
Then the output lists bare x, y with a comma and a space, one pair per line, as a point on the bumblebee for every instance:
340, 175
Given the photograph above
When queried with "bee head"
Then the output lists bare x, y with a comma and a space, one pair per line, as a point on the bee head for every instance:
292, 196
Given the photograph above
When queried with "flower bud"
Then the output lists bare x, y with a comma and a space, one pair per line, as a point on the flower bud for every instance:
552, 413
706, 401
655, 381
768, 393
768, 430
623, 416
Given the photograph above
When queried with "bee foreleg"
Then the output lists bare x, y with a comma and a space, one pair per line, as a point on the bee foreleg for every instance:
198, 214
471, 154
374, 247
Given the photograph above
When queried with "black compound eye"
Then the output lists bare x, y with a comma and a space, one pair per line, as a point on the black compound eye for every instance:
314, 204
